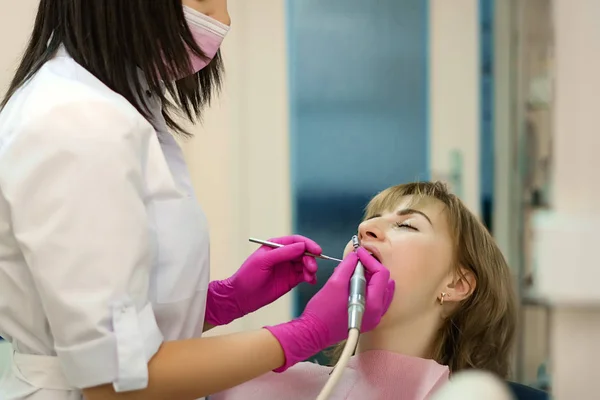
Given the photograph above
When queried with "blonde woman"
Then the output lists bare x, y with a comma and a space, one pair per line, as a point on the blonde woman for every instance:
453, 309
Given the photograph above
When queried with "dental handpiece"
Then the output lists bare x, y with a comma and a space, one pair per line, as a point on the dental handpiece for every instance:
356, 310
357, 298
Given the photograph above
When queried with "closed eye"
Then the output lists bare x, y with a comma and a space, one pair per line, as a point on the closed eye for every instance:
405, 225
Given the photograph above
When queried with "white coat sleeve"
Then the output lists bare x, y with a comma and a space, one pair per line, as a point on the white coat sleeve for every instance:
76, 189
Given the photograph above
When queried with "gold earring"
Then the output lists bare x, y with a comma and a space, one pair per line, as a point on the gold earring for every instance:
442, 295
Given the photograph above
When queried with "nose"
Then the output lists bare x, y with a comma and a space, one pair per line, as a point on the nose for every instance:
370, 231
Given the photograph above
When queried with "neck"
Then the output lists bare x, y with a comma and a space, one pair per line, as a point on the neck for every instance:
412, 338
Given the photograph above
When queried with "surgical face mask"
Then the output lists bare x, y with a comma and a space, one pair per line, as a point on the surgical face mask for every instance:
208, 34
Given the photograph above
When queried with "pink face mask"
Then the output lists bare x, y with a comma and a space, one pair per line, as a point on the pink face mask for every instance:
208, 34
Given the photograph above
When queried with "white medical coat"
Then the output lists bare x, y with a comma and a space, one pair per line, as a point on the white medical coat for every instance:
104, 251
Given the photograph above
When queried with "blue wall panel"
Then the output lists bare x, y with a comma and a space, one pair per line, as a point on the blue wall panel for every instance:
487, 163
358, 84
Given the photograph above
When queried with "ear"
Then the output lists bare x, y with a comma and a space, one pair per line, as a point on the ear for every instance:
461, 287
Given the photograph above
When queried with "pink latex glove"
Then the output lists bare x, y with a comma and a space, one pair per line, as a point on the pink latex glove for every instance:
264, 277
324, 321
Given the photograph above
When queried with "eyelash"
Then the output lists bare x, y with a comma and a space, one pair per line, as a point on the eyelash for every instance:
405, 225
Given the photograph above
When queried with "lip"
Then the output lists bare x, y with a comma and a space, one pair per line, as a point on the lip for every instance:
373, 250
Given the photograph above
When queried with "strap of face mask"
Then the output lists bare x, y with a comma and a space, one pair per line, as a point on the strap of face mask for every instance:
197, 19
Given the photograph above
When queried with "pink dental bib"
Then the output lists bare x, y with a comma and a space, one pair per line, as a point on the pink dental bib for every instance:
373, 375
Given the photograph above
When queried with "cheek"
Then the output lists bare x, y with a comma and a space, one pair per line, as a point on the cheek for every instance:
418, 266
409, 257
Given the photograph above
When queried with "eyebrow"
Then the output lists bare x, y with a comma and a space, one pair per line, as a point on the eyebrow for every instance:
409, 211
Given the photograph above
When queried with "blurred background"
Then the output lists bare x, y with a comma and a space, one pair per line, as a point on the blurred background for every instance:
327, 102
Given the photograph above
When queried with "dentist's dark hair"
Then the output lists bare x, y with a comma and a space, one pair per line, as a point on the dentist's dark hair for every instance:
116, 40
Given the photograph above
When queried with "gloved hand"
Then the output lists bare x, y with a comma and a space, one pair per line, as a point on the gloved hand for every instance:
264, 277
324, 321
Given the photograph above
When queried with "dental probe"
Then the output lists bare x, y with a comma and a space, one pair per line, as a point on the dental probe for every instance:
356, 310
277, 245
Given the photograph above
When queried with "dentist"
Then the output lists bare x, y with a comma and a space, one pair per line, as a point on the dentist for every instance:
104, 252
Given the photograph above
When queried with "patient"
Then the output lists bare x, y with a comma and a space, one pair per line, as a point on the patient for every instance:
454, 306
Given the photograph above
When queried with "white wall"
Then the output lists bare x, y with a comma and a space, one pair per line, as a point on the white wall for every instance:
16, 19
454, 92
567, 238
239, 158
504, 200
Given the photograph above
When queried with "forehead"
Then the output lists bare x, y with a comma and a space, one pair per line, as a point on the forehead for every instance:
432, 207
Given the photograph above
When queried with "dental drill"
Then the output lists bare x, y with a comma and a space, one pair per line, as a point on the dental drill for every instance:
356, 310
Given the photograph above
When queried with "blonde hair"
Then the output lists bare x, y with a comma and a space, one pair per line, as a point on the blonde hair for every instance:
480, 332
